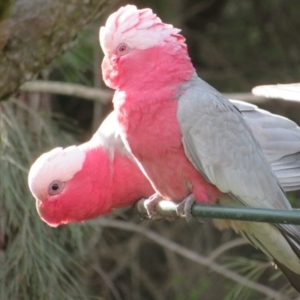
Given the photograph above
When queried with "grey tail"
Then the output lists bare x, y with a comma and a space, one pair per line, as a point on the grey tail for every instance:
291, 234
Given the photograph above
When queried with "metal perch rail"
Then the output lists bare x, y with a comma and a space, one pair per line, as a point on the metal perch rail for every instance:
167, 209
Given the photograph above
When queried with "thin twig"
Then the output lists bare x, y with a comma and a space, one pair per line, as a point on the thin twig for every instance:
247, 97
149, 285
133, 246
108, 282
225, 247
191, 255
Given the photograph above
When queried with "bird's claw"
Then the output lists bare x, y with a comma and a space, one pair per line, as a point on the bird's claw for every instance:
150, 205
184, 209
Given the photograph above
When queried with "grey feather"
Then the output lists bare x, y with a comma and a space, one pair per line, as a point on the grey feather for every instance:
279, 139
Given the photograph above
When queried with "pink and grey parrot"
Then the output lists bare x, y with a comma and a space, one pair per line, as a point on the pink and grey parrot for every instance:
82, 182
58, 178
190, 141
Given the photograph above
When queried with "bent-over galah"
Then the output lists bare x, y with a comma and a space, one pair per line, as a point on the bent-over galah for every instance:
190, 141
82, 182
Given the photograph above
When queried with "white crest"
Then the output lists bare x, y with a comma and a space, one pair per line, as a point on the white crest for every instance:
57, 164
139, 28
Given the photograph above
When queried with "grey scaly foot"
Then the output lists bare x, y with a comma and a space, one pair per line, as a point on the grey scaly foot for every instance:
150, 205
184, 209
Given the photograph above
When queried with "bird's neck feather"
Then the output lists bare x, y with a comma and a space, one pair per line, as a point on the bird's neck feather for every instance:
98, 168
155, 68
128, 183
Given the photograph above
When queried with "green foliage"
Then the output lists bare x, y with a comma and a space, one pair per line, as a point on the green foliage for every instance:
204, 286
256, 269
5, 7
37, 262
252, 269
294, 199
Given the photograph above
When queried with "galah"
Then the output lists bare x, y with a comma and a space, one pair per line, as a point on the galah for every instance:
190, 141
82, 182
58, 178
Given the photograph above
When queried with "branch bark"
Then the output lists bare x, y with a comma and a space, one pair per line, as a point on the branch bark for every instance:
289, 91
34, 32
69, 89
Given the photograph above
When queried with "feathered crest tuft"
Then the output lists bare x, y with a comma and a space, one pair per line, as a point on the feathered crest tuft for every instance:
139, 28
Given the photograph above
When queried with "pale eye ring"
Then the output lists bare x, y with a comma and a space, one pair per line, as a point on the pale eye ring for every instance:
55, 187
122, 49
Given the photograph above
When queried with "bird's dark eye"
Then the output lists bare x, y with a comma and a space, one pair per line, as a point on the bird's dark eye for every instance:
122, 49
55, 187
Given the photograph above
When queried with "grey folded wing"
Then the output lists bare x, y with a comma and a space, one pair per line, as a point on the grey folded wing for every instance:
279, 139
222, 147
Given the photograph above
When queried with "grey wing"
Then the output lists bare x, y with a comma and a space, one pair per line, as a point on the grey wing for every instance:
287, 171
279, 139
222, 147
281, 91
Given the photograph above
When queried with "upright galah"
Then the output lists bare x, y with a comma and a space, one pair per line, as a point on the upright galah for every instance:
83, 182
188, 139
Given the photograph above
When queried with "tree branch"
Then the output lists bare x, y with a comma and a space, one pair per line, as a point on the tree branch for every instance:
34, 32
289, 91
191, 255
225, 247
68, 89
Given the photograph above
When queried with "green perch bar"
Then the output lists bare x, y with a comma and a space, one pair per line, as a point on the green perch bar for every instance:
167, 209
247, 214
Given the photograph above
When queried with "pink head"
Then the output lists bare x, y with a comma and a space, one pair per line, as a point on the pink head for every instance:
66, 184
136, 41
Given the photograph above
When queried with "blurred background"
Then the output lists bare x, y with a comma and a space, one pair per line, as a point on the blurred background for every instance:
234, 45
